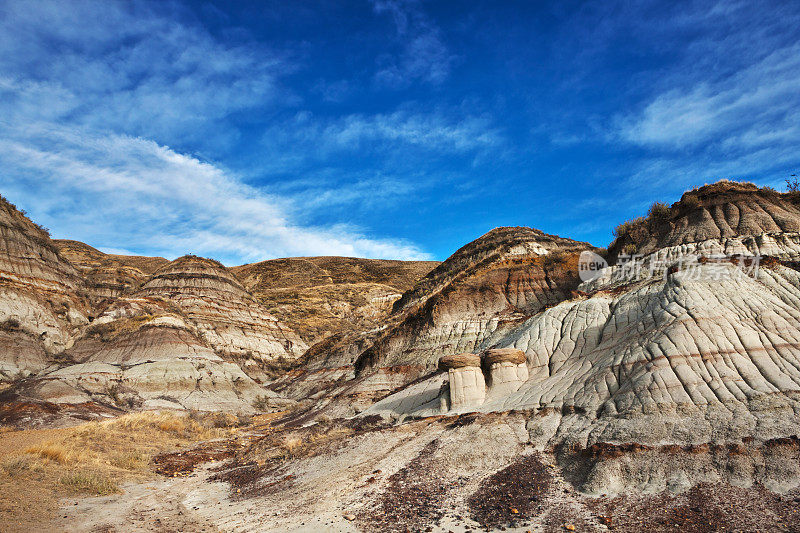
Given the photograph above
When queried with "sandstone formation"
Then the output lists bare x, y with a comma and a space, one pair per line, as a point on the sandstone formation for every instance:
704, 352
108, 275
722, 212
467, 387
480, 292
129, 332
190, 337
507, 369
42, 303
323, 296
228, 318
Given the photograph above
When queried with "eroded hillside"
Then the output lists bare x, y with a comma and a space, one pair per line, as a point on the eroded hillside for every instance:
323, 296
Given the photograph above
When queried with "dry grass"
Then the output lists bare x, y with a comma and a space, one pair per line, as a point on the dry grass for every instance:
94, 458
307, 442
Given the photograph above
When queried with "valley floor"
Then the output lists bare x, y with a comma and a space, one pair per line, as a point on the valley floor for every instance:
437, 474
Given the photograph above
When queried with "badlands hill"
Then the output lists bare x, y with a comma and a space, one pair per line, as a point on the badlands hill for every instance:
321, 296
84, 331
108, 275
500, 391
512, 395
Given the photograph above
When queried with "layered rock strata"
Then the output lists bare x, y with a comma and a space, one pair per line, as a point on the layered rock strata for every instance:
42, 301
478, 294
703, 352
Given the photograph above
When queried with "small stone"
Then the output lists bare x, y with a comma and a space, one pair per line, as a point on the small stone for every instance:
349, 517
569, 527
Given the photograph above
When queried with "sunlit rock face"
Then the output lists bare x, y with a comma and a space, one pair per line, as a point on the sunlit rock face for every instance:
727, 212
226, 316
705, 352
107, 276
130, 332
190, 337
481, 292
41, 297
467, 386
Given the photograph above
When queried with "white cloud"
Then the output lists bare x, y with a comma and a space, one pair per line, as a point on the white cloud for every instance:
755, 106
138, 69
307, 140
134, 194
94, 98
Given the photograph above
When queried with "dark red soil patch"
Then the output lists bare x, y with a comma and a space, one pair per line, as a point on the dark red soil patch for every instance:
184, 463
512, 494
414, 495
703, 509
245, 480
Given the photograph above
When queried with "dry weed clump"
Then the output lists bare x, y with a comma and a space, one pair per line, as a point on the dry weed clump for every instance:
90, 482
50, 451
298, 444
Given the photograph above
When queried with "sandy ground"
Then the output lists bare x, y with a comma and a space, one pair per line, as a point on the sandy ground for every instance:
190, 504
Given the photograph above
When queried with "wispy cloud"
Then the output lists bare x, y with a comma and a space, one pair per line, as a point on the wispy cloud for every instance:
131, 68
422, 56
755, 106
104, 107
144, 197
307, 138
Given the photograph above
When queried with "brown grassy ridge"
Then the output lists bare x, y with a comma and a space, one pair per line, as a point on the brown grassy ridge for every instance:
39, 467
320, 296
632, 235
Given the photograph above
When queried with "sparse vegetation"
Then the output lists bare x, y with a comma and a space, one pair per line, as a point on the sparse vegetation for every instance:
690, 202
276, 367
629, 249
634, 229
95, 457
261, 403
108, 331
792, 183
89, 482
10, 324
659, 212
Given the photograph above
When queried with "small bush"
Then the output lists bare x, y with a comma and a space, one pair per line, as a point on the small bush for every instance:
659, 212
132, 461
14, 466
690, 203
224, 420
89, 482
261, 403
176, 426
10, 324
792, 184
630, 227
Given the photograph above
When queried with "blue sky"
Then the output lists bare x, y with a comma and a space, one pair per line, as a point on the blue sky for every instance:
251, 130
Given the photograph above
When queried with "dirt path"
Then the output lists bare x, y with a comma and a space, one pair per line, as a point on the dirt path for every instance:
164, 505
